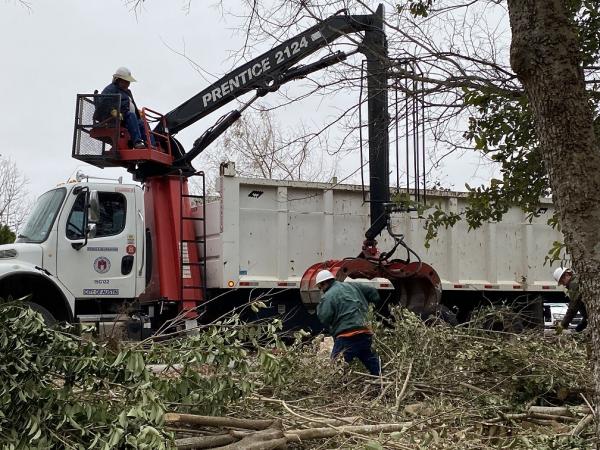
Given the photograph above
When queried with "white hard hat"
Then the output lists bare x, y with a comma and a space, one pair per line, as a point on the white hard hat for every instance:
324, 275
558, 273
124, 74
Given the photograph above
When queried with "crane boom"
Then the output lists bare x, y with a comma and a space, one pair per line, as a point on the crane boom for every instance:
267, 72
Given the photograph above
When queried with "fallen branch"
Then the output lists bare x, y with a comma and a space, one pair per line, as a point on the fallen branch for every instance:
202, 442
220, 422
588, 404
269, 439
582, 424
558, 410
553, 417
404, 386
514, 416
473, 388
320, 433
274, 438
186, 430
334, 422
546, 413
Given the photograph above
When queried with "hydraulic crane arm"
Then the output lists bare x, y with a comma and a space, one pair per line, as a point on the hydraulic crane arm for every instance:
269, 71
230, 118
273, 68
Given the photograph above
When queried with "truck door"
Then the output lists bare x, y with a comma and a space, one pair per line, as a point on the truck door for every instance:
105, 267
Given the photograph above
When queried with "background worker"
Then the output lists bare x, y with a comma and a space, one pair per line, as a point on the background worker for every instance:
343, 311
122, 78
565, 277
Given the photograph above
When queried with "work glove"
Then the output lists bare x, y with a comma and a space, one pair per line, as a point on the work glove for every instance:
115, 113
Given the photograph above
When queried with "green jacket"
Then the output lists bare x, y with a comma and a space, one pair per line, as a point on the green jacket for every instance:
575, 303
344, 306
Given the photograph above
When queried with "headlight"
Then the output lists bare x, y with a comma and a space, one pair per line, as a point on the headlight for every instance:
8, 253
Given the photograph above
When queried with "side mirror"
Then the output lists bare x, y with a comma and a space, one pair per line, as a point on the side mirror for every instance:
93, 207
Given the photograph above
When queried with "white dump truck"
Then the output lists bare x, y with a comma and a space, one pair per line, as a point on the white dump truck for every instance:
259, 237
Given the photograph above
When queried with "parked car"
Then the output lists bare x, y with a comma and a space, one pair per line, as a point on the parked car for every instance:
555, 312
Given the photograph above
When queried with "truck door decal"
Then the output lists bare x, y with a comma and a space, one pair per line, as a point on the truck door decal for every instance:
102, 264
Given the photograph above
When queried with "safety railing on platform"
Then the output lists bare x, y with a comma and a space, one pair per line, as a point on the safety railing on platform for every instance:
161, 140
97, 128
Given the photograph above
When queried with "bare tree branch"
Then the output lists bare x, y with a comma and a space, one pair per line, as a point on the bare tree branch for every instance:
14, 198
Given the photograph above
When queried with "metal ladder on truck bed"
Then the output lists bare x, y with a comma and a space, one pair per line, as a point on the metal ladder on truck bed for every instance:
185, 265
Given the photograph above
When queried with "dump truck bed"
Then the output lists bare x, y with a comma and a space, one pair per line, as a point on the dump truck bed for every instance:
266, 233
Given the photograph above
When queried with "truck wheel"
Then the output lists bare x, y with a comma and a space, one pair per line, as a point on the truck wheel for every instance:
49, 319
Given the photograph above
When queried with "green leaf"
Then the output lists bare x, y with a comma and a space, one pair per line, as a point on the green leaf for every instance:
122, 419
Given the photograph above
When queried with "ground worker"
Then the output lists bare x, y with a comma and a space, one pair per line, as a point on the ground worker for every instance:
343, 311
130, 114
565, 277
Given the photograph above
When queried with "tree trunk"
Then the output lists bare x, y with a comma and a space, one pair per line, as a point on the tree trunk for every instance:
545, 56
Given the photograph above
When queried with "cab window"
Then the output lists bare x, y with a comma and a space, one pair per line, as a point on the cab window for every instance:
42, 217
112, 216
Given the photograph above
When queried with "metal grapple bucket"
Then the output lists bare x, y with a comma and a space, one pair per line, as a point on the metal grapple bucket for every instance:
417, 285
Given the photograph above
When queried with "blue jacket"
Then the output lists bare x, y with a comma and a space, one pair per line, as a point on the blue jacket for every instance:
126, 95
344, 306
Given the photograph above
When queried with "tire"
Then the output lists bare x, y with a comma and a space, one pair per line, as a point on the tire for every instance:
49, 319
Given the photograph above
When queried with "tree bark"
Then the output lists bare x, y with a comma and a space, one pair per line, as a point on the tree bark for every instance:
545, 56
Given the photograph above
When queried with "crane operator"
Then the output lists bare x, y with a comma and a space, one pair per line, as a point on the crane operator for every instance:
129, 111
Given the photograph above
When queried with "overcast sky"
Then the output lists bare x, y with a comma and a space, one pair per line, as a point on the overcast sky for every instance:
55, 50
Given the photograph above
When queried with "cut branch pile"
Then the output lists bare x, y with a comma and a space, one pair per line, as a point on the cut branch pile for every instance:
237, 386
266, 434
440, 386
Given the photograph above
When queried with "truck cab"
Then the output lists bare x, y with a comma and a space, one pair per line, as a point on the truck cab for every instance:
74, 263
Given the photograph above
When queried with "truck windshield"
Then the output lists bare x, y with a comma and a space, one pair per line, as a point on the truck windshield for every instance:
42, 217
